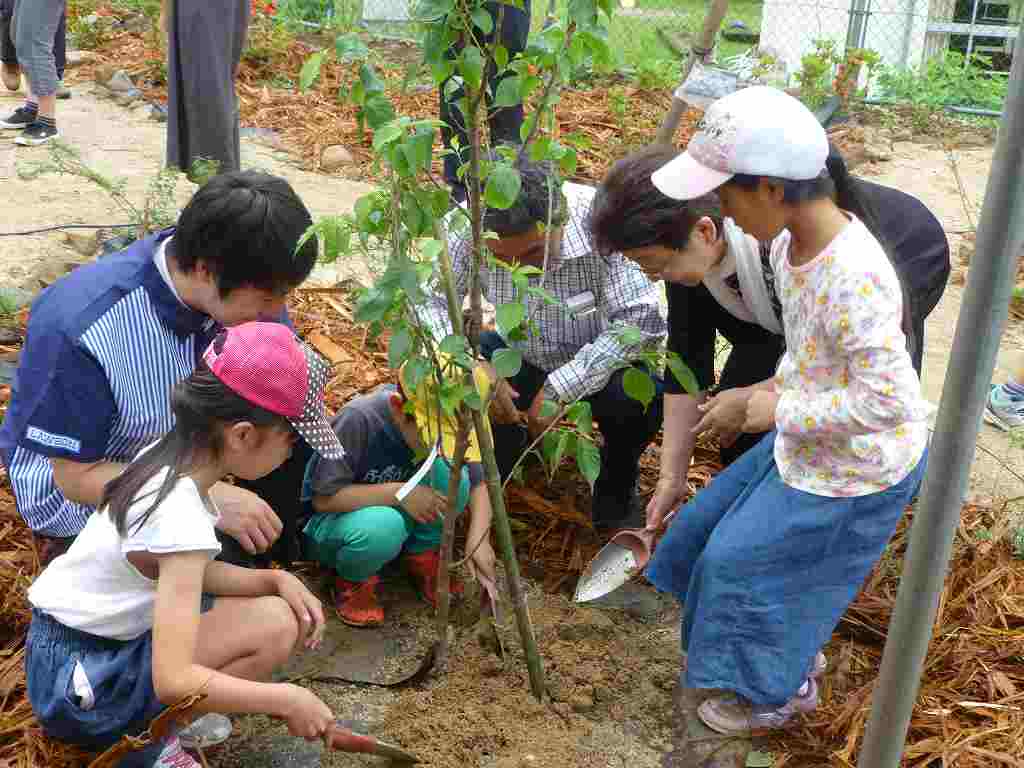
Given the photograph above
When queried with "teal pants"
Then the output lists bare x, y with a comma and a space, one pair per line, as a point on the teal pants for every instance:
357, 544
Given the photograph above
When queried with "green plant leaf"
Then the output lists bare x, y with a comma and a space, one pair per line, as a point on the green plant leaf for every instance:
560, 447
430, 10
399, 347
581, 415
502, 188
509, 90
471, 65
546, 296
373, 305
684, 375
507, 362
510, 315
310, 70
386, 134
500, 57
350, 48
453, 344
431, 248
639, 386
370, 79
588, 459
378, 110
548, 410
482, 20
416, 370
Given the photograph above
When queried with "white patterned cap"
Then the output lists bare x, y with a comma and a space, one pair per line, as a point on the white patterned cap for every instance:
757, 131
271, 367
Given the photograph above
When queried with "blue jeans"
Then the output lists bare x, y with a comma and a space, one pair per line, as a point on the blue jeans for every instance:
120, 674
626, 427
765, 571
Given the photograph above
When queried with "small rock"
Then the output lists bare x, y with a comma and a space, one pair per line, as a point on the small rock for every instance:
120, 82
877, 152
528, 761
582, 703
104, 73
84, 242
335, 157
78, 58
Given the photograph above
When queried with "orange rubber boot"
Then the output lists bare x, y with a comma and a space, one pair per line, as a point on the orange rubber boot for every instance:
356, 602
423, 568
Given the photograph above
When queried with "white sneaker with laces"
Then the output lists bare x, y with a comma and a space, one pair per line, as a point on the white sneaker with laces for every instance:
1003, 410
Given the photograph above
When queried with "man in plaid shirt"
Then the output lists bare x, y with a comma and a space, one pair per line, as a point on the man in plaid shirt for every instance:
579, 352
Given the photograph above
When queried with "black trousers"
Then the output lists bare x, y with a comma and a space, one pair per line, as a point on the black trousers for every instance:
627, 430
8, 53
504, 123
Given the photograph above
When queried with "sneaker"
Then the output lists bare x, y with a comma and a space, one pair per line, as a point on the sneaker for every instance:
818, 667
36, 134
18, 120
733, 715
356, 602
422, 568
173, 756
208, 731
1004, 411
11, 76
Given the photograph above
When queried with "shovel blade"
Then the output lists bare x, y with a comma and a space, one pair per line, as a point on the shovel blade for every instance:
612, 567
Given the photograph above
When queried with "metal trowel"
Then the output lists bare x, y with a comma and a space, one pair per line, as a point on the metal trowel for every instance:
625, 555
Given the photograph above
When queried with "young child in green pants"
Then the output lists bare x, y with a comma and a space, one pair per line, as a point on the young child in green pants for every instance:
358, 525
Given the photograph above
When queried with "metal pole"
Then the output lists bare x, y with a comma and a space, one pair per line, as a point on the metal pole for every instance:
979, 327
856, 31
970, 35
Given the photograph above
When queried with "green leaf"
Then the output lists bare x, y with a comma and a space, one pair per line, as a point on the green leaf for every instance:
386, 134
500, 57
416, 370
334, 234
548, 410
507, 362
482, 20
567, 162
639, 386
399, 348
471, 65
630, 335
421, 145
560, 446
546, 296
453, 344
757, 759
509, 90
431, 249
350, 48
370, 80
540, 149
588, 459
373, 305
310, 70
378, 110
502, 188
582, 416
684, 375
510, 315
430, 10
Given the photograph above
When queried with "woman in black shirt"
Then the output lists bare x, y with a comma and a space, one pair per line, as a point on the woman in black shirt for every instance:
725, 285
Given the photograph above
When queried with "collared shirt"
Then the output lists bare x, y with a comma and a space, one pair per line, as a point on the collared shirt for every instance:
579, 352
103, 348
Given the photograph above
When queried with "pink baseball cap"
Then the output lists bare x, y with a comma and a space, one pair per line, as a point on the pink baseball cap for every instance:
268, 365
759, 131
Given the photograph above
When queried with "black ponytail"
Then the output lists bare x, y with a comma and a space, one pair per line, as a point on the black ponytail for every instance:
202, 407
850, 198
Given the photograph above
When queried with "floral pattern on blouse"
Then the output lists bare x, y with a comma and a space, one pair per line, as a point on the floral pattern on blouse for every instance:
850, 418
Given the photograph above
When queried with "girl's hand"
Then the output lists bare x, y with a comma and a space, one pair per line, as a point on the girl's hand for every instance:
481, 564
761, 412
667, 496
307, 717
307, 608
724, 414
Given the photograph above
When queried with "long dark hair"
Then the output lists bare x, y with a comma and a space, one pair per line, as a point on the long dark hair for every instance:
202, 406
628, 211
838, 183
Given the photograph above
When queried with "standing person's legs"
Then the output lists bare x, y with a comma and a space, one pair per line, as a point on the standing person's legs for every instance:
60, 55
627, 430
506, 122
205, 41
11, 72
36, 26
